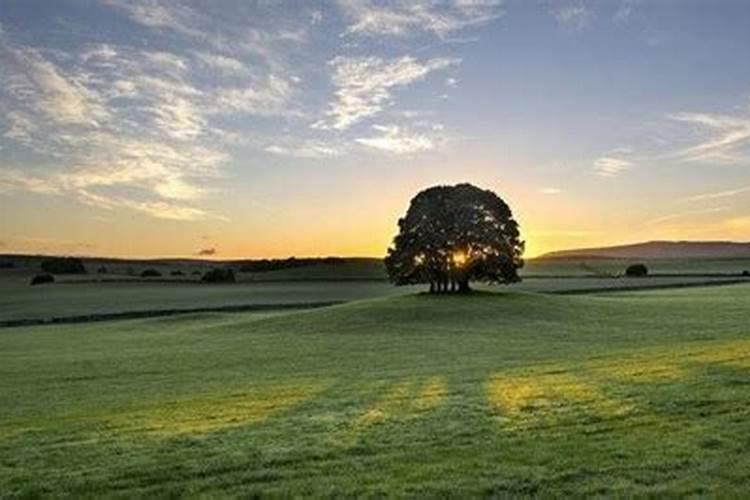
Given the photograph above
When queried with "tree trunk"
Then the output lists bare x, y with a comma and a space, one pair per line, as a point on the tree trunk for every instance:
464, 286
432, 287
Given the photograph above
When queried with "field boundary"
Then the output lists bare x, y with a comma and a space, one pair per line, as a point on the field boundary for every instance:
636, 288
90, 318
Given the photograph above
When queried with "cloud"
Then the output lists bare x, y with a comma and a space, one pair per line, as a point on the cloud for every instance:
575, 17
160, 14
611, 166
220, 62
311, 149
717, 195
397, 141
364, 85
724, 143
15, 180
625, 11
128, 128
62, 98
265, 98
408, 17
207, 252
689, 213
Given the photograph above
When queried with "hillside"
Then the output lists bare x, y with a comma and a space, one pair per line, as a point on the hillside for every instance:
659, 250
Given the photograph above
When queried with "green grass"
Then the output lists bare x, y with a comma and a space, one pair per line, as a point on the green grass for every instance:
19, 301
494, 394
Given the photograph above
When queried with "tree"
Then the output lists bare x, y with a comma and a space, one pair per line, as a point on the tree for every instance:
219, 275
636, 271
63, 265
452, 235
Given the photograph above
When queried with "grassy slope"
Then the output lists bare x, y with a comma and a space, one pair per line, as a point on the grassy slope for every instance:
513, 393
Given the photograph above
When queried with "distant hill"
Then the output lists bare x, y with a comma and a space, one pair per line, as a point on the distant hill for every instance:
659, 250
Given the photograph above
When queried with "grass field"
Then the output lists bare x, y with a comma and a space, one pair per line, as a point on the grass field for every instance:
74, 296
494, 394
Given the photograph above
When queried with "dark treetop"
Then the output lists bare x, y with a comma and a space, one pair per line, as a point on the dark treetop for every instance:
452, 235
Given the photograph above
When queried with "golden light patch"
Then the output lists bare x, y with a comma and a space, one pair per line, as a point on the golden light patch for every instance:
643, 369
736, 353
402, 401
531, 399
200, 416
432, 395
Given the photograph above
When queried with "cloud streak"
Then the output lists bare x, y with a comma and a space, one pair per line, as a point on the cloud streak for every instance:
728, 135
365, 85
409, 17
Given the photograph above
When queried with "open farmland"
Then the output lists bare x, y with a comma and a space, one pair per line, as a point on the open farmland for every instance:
511, 393
96, 295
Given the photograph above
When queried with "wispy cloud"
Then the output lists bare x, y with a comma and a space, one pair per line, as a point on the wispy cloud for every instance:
688, 213
138, 129
611, 166
408, 17
311, 149
364, 85
729, 193
62, 98
575, 17
165, 14
625, 10
207, 252
727, 137
393, 139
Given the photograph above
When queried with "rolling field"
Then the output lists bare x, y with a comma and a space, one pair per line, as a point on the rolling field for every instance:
91, 295
494, 394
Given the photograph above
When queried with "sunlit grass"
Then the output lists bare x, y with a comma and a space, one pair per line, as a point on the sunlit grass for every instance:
418, 396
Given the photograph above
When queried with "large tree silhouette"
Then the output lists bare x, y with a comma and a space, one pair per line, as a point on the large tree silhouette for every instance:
452, 235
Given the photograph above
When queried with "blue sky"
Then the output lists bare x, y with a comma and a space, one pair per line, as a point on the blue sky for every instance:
158, 127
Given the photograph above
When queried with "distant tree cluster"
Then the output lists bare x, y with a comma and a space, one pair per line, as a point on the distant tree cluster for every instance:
63, 265
636, 271
150, 273
265, 265
6, 264
41, 279
452, 235
219, 275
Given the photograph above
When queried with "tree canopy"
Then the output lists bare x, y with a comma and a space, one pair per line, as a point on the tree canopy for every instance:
452, 235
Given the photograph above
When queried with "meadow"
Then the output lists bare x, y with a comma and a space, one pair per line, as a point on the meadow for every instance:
74, 297
514, 393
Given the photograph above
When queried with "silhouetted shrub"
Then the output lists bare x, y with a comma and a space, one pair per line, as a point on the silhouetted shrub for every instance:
196, 273
6, 264
746, 273
218, 275
264, 265
150, 273
102, 270
63, 265
177, 273
41, 279
636, 271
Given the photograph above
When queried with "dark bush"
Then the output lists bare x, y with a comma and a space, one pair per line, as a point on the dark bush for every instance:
41, 279
264, 265
63, 265
102, 270
177, 273
196, 273
218, 275
6, 264
746, 273
150, 273
636, 271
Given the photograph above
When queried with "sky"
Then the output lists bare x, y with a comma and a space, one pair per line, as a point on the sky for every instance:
241, 128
